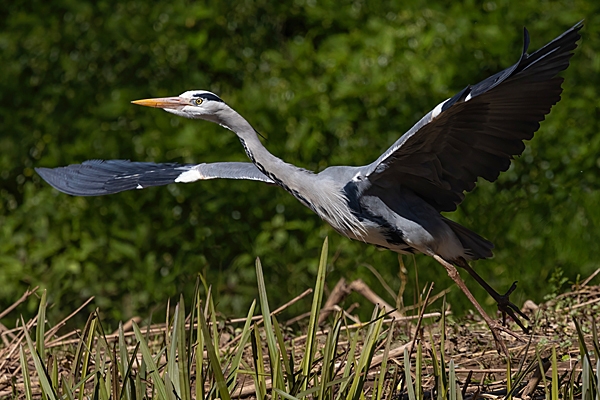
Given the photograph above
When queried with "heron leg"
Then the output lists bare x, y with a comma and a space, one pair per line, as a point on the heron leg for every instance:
504, 304
495, 328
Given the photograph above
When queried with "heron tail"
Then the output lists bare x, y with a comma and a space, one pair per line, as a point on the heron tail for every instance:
475, 246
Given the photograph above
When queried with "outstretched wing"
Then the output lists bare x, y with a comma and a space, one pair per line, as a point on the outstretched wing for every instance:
477, 132
98, 177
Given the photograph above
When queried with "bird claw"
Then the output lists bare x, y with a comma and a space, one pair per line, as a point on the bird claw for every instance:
507, 308
504, 304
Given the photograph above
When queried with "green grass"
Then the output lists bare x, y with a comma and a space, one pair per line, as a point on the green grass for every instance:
198, 354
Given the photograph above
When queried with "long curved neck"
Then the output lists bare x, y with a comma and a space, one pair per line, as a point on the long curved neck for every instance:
320, 195
286, 175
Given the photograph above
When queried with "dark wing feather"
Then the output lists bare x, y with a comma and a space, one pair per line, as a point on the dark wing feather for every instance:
99, 177
478, 131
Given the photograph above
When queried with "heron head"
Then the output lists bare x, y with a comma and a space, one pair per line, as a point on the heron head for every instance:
196, 104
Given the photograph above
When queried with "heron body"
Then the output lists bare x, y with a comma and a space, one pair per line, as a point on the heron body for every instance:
396, 201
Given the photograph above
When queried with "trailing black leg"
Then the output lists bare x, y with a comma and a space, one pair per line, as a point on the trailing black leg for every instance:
504, 304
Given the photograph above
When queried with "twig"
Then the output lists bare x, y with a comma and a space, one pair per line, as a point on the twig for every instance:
56, 327
397, 352
589, 278
61, 339
259, 318
15, 344
127, 326
467, 383
27, 293
535, 379
339, 292
502, 370
277, 310
6, 332
361, 287
433, 299
587, 303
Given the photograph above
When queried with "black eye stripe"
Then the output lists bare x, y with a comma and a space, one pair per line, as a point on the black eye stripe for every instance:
209, 96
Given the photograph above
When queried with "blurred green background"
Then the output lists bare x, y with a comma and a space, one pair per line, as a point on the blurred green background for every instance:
326, 83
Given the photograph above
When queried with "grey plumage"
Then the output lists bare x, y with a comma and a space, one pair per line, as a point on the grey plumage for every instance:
99, 177
394, 202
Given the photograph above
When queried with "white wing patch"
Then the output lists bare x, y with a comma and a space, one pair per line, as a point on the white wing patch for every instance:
437, 110
192, 175
139, 186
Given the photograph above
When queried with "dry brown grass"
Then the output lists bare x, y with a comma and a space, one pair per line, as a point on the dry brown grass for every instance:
480, 370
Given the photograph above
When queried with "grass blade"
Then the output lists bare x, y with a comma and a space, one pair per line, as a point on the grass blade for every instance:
276, 376
199, 356
127, 375
235, 363
54, 374
509, 383
366, 355
124, 366
190, 337
595, 340
407, 377
383, 369
453, 395
159, 385
115, 364
585, 354
214, 360
284, 394
82, 354
171, 393
259, 368
309, 354
350, 363
47, 389
209, 311
418, 372
444, 376
543, 374
26, 378
67, 392
585, 380
40, 331
183, 360
554, 375
172, 366
287, 363
598, 376
328, 365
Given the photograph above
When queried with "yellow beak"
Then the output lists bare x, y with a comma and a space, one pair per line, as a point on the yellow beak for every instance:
163, 102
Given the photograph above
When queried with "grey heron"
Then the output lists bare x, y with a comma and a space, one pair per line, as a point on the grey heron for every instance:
395, 202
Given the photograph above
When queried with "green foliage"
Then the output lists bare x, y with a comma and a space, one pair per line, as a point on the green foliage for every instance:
327, 83
556, 283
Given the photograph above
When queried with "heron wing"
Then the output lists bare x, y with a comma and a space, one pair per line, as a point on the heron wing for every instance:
99, 177
477, 132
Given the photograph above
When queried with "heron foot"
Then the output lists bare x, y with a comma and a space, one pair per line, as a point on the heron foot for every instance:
506, 307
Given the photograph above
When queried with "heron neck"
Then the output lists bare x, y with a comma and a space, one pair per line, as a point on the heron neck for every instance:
275, 168
322, 195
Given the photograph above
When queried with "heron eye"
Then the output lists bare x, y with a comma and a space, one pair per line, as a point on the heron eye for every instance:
198, 101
